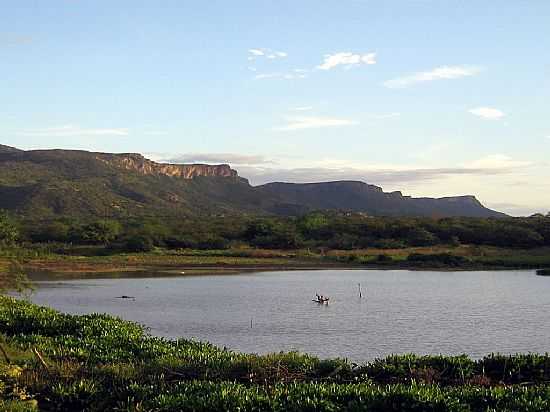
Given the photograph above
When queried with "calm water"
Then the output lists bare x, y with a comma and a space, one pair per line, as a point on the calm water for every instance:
401, 311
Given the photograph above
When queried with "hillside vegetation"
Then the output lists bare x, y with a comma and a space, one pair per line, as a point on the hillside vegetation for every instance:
54, 183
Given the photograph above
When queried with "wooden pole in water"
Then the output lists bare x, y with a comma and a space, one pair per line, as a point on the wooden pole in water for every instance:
250, 323
360, 293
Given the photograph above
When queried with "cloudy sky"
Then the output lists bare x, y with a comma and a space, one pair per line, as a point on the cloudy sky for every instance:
430, 97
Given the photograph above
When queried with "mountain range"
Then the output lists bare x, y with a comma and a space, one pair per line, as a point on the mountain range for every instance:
49, 183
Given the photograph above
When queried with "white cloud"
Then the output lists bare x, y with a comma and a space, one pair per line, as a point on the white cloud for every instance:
439, 73
326, 169
487, 113
310, 122
267, 76
385, 115
73, 130
256, 52
279, 75
302, 108
498, 161
347, 59
266, 53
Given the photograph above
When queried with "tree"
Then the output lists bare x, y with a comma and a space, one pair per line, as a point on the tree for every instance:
54, 231
99, 232
418, 236
8, 229
517, 236
13, 278
313, 225
138, 243
273, 234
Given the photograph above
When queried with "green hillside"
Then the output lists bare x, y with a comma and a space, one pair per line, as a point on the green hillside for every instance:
48, 183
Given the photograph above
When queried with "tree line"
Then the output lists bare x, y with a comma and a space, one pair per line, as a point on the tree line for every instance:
331, 230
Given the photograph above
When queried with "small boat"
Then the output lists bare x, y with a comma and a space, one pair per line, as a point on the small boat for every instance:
321, 300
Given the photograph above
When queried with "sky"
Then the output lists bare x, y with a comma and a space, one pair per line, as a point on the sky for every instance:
430, 97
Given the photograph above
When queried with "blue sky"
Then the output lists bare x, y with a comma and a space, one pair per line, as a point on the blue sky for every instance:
432, 98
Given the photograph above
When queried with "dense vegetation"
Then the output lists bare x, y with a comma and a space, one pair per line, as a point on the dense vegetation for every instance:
314, 239
60, 362
316, 230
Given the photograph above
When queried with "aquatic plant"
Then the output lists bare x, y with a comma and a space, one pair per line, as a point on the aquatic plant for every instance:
98, 362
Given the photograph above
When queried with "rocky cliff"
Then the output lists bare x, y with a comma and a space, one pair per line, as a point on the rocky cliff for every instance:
138, 163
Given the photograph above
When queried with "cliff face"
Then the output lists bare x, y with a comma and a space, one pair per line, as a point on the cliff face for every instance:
140, 164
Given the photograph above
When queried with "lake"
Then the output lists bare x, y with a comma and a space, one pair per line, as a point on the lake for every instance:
424, 312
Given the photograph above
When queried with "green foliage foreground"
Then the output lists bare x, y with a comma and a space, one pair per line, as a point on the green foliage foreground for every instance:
60, 362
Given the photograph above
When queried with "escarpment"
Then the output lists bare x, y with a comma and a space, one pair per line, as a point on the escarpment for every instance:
144, 166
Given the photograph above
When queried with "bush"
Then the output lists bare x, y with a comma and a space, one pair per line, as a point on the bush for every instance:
96, 233
52, 232
212, 242
181, 242
138, 244
9, 233
383, 259
418, 236
389, 244
444, 259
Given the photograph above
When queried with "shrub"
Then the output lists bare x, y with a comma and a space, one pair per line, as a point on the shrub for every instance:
139, 244
383, 258
443, 259
9, 232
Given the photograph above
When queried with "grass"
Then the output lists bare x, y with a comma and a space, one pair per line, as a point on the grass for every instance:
61, 362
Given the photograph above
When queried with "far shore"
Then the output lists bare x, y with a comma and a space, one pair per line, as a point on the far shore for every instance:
186, 262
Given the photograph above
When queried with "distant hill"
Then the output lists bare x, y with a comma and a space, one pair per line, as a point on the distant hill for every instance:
78, 183
361, 197
8, 149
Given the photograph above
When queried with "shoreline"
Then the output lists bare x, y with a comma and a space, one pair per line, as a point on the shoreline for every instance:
35, 269
463, 258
